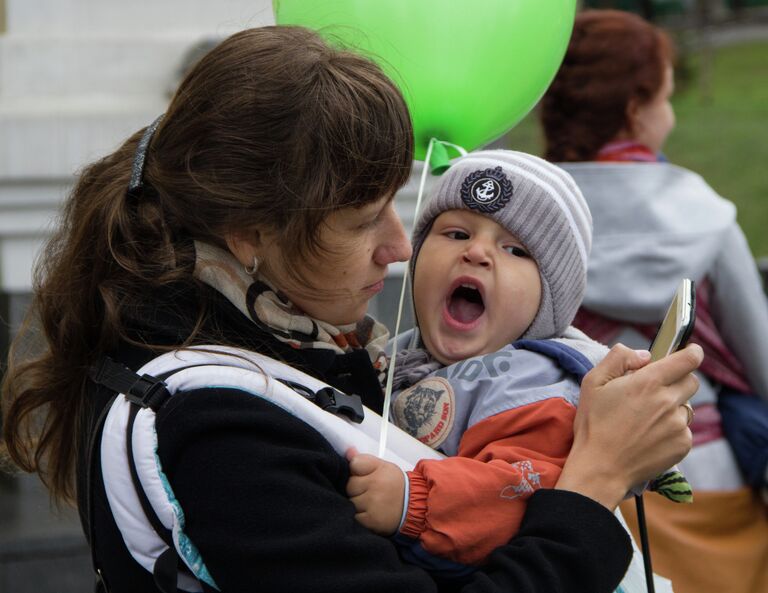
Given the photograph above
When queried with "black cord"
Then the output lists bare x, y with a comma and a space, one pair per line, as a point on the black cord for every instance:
644, 542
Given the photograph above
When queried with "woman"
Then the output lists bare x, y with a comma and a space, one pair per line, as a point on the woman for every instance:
606, 117
264, 220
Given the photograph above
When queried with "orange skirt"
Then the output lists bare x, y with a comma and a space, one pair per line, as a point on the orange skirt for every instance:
717, 544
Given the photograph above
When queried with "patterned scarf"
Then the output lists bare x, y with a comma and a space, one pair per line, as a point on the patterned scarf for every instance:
628, 150
271, 310
411, 366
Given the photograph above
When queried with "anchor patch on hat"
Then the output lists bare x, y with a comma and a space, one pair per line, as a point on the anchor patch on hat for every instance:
487, 190
426, 410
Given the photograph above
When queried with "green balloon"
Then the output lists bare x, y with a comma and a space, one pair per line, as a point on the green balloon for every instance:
469, 69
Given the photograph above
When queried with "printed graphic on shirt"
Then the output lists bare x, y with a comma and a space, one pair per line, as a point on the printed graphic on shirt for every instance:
528, 482
486, 190
426, 410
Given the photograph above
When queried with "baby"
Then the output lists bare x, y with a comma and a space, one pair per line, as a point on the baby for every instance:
491, 374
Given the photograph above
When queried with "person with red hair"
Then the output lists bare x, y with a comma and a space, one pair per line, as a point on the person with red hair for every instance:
606, 117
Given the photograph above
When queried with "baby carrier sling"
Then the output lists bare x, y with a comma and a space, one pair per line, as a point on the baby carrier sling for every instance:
140, 496
143, 505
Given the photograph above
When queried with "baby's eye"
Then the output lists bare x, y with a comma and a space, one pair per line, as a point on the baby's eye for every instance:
516, 250
457, 235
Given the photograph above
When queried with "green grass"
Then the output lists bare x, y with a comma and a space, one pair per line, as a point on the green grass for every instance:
721, 133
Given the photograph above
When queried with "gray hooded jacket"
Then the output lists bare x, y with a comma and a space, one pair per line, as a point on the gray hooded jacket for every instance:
655, 223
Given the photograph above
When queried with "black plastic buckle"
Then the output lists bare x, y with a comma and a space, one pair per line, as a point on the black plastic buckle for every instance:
149, 392
144, 390
339, 403
331, 400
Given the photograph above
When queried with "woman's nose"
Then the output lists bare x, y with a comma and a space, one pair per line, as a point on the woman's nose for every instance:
395, 245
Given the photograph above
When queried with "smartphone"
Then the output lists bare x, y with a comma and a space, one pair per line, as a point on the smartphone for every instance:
674, 331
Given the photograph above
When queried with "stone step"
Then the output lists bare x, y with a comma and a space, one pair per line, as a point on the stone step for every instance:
41, 150
50, 138
137, 16
71, 47
124, 66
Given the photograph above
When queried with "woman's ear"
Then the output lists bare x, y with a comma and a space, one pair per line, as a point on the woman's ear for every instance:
244, 246
631, 118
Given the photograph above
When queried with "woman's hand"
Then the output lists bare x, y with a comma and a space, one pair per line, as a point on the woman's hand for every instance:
630, 424
377, 489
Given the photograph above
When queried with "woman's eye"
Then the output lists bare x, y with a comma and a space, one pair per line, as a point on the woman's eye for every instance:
516, 251
369, 224
457, 235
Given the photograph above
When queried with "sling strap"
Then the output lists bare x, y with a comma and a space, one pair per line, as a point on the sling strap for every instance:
148, 391
140, 496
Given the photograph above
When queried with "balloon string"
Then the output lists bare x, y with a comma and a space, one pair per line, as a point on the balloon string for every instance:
456, 147
391, 370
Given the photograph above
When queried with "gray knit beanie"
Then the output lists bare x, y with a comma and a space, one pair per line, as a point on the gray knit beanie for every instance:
537, 202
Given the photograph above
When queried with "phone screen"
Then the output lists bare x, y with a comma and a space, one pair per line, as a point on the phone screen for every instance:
678, 322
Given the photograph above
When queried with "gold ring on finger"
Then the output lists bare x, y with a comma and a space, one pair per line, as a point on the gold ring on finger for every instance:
689, 410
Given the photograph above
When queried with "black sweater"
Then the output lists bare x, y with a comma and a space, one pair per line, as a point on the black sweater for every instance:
264, 498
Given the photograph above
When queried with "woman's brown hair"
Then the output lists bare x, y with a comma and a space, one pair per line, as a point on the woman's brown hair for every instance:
613, 58
273, 128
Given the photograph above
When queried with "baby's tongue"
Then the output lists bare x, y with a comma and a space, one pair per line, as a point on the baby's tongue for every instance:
463, 310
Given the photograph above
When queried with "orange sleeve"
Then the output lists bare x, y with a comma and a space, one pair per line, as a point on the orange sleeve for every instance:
462, 508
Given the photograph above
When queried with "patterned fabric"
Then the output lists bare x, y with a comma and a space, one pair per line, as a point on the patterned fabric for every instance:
271, 310
719, 364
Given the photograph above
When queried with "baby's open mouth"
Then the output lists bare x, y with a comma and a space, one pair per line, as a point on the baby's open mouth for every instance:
465, 304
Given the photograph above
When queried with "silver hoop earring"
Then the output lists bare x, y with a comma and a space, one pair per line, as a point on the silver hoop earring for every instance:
254, 268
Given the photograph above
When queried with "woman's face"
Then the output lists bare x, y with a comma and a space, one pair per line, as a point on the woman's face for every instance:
357, 245
653, 121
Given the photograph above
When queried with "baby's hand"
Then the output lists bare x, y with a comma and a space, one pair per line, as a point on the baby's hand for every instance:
377, 489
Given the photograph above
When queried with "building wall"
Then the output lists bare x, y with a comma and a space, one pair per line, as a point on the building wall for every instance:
76, 78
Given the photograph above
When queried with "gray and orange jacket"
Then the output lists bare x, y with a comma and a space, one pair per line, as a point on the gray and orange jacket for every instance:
505, 420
